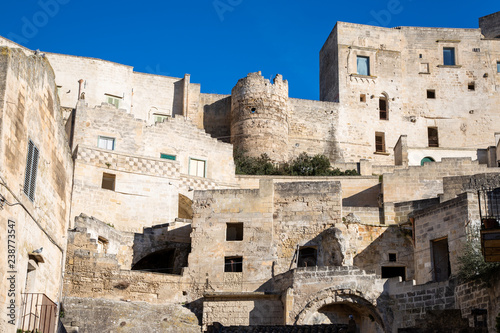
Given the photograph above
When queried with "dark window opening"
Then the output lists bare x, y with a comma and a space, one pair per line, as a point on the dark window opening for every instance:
476, 49
389, 272
159, 262
253, 110
471, 86
432, 135
420, 55
362, 98
379, 142
431, 93
234, 231
31, 170
392, 257
233, 264
441, 260
382, 104
307, 257
108, 181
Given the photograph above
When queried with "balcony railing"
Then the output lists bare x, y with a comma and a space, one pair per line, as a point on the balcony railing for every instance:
38, 314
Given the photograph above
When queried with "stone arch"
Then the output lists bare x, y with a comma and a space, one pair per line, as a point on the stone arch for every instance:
162, 261
185, 207
331, 297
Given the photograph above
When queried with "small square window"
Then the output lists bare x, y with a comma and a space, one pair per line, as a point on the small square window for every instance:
431, 94
379, 142
197, 167
392, 257
108, 181
105, 142
234, 231
449, 56
363, 65
233, 264
362, 98
471, 86
167, 157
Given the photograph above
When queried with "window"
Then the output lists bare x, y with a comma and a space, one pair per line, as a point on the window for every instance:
108, 181
196, 167
432, 135
449, 56
363, 64
167, 157
159, 118
307, 257
382, 105
440, 260
31, 170
233, 264
426, 159
102, 245
471, 86
431, 93
392, 257
362, 98
498, 66
234, 231
114, 100
105, 142
379, 142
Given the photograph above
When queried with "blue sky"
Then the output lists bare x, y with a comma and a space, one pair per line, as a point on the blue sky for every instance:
217, 41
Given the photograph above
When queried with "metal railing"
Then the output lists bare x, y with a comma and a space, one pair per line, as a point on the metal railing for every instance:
38, 313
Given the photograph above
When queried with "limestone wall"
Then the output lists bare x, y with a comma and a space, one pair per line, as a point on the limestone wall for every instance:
447, 220
29, 110
217, 115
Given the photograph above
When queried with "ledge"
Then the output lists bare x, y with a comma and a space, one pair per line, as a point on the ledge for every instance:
381, 153
449, 66
448, 41
423, 72
363, 76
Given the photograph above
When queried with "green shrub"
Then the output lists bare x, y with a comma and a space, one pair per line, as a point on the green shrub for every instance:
303, 165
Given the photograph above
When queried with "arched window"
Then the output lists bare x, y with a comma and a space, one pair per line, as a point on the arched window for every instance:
383, 106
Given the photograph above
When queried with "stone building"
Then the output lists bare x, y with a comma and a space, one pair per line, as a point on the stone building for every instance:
140, 213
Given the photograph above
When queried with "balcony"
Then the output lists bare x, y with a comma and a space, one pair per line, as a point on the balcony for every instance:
38, 314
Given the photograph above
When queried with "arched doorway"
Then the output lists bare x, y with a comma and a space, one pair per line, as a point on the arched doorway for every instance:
426, 159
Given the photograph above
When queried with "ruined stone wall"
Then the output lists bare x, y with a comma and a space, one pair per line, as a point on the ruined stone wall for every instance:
260, 116
217, 115
489, 25
447, 220
29, 110
423, 182
404, 63
454, 186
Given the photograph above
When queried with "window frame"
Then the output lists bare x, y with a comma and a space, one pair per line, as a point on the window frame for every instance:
453, 56
191, 160
498, 67
108, 178
31, 171
368, 69
432, 143
380, 135
161, 116
239, 234
383, 113
165, 156
113, 100
236, 267
431, 93
103, 137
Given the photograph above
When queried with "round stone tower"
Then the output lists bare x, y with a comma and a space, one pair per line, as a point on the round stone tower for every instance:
259, 117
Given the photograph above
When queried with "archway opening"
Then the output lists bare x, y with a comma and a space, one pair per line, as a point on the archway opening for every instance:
185, 207
352, 315
427, 159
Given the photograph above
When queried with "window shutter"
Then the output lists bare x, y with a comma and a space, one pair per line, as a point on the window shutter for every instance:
31, 171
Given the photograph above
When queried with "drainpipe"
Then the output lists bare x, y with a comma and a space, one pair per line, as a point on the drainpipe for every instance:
79, 89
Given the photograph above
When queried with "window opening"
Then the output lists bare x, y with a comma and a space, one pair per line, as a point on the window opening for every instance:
432, 135
31, 170
390, 271
449, 56
307, 257
114, 100
105, 142
102, 245
431, 93
498, 66
197, 167
167, 157
253, 110
471, 86
159, 118
379, 142
392, 257
108, 181
234, 231
362, 98
382, 103
441, 260
426, 159
162, 261
363, 65
233, 264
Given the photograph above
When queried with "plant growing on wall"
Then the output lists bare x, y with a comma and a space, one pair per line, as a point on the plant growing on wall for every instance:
303, 165
471, 262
